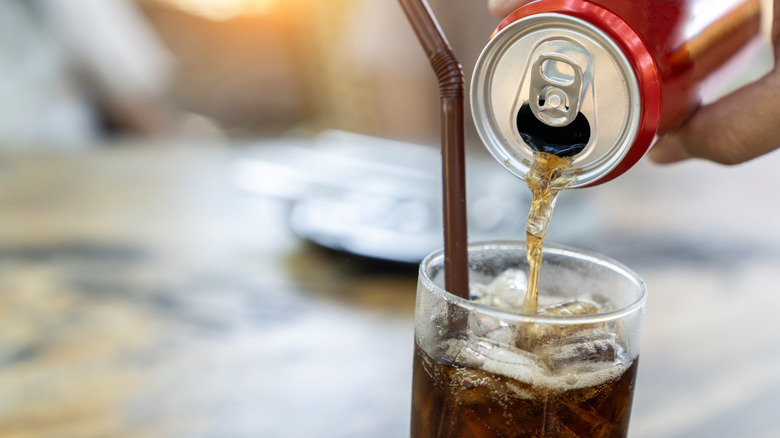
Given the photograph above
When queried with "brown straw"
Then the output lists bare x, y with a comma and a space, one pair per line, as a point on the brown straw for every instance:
450, 75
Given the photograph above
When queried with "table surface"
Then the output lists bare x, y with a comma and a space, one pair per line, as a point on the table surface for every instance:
142, 296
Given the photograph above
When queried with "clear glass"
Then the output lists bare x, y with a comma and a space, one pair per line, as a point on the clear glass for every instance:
487, 371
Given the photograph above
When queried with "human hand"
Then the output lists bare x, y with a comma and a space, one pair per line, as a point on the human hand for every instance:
502, 8
736, 128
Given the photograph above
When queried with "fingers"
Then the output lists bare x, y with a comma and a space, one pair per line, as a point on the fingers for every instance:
776, 22
502, 8
736, 128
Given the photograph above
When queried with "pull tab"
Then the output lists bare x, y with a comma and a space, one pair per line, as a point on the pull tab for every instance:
556, 89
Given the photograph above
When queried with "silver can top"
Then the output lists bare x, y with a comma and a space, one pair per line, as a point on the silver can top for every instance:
555, 82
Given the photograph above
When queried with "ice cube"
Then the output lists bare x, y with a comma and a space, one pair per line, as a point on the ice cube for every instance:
507, 290
504, 335
581, 306
480, 325
477, 291
503, 360
604, 303
532, 335
448, 350
486, 353
591, 348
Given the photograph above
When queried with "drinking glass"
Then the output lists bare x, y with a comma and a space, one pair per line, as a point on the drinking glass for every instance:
482, 368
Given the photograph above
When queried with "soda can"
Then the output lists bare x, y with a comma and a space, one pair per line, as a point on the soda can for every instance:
601, 80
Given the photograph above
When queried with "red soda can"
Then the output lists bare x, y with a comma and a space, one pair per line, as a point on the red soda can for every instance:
601, 80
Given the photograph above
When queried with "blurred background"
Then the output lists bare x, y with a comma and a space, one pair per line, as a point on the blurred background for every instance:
244, 68
211, 213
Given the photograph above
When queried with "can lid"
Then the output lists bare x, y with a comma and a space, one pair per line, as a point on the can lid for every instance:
572, 77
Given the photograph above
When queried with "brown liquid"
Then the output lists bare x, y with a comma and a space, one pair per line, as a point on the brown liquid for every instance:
455, 402
546, 178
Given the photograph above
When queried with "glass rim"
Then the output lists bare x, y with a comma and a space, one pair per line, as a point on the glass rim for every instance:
550, 249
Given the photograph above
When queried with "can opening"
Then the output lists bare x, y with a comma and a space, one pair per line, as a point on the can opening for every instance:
563, 141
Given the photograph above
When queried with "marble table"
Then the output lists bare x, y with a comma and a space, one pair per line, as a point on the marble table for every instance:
142, 296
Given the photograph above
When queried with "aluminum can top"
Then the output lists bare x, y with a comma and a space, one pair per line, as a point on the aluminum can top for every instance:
555, 80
